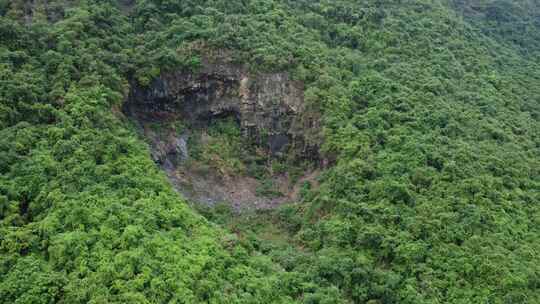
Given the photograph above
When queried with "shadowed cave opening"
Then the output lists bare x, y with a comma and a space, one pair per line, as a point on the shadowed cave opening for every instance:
224, 136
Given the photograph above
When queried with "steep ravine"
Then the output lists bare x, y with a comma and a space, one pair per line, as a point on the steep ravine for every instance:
261, 157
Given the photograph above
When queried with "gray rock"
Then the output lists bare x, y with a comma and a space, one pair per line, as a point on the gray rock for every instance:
181, 147
268, 107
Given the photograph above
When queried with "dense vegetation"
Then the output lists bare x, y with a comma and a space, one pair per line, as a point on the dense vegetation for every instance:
430, 109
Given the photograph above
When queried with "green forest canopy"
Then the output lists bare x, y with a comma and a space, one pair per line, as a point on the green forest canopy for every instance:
431, 109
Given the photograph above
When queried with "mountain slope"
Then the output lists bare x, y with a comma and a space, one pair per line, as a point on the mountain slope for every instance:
430, 113
86, 216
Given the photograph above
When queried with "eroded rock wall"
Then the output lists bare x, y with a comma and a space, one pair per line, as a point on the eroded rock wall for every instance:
268, 107
269, 111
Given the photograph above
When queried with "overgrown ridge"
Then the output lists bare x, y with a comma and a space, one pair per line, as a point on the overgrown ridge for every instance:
405, 135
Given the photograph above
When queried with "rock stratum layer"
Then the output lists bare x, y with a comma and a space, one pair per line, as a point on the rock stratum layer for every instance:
268, 107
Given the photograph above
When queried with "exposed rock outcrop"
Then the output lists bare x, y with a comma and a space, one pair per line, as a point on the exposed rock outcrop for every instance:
269, 110
268, 107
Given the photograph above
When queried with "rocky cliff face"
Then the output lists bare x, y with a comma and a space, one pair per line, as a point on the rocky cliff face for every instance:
268, 107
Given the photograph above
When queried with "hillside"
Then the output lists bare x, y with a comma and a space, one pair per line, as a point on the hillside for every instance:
393, 149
